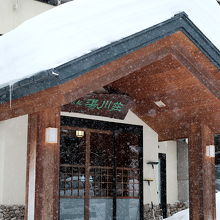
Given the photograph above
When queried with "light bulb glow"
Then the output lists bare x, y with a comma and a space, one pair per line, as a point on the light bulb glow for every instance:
79, 133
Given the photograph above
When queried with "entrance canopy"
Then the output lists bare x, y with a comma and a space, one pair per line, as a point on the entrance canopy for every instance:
143, 49
162, 55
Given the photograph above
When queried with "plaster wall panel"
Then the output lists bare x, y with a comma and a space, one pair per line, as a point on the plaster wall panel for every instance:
2, 140
13, 165
14, 12
170, 149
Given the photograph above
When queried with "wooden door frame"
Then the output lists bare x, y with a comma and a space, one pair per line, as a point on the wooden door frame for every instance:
87, 166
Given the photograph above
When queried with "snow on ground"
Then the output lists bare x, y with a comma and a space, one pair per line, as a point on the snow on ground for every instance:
78, 27
184, 215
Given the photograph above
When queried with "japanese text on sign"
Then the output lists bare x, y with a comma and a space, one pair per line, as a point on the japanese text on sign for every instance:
100, 105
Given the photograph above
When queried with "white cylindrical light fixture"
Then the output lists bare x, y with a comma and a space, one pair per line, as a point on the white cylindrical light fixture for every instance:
210, 151
51, 135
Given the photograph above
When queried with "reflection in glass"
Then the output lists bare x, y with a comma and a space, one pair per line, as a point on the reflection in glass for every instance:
101, 209
128, 209
72, 150
101, 150
71, 209
99, 171
72, 175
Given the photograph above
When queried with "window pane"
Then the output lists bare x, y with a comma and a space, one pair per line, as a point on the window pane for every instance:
72, 149
101, 149
127, 151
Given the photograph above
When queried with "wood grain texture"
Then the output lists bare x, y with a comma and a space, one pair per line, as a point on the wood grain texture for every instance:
173, 70
201, 174
43, 167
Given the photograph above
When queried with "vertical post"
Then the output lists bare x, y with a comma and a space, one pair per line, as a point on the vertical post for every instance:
201, 174
42, 197
87, 177
114, 184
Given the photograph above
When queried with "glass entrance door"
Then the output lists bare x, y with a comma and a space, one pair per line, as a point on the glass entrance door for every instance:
127, 152
99, 175
72, 175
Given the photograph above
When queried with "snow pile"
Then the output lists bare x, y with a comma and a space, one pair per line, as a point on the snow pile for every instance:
184, 215
78, 27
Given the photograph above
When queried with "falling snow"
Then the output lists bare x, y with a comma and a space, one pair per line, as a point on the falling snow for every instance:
61, 34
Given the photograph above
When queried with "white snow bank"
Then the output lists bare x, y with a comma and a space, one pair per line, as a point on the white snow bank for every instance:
184, 215
75, 28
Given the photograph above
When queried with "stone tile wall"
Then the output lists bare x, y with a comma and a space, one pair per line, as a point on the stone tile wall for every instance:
14, 212
152, 213
177, 207
156, 212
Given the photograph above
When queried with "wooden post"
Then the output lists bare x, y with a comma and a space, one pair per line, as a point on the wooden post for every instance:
201, 174
42, 197
87, 176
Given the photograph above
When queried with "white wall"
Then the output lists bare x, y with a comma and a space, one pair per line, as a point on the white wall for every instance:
14, 12
150, 153
2, 140
170, 149
13, 149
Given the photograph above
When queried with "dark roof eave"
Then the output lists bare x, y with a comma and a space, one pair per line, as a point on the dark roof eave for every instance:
70, 70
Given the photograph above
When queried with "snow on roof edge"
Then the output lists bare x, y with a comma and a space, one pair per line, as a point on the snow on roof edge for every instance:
35, 45
101, 56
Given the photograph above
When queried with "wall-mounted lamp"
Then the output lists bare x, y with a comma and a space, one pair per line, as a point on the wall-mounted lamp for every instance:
79, 133
148, 180
51, 135
210, 151
160, 104
153, 163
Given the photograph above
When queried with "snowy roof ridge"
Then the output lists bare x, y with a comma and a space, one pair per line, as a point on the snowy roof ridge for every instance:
65, 34
88, 62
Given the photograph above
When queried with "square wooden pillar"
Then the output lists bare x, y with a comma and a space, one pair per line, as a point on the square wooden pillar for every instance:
201, 174
42, 194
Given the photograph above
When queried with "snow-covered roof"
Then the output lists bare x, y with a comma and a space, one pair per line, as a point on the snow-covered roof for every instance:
76, 28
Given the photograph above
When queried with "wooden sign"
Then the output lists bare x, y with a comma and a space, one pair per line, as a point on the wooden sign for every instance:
107, 105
